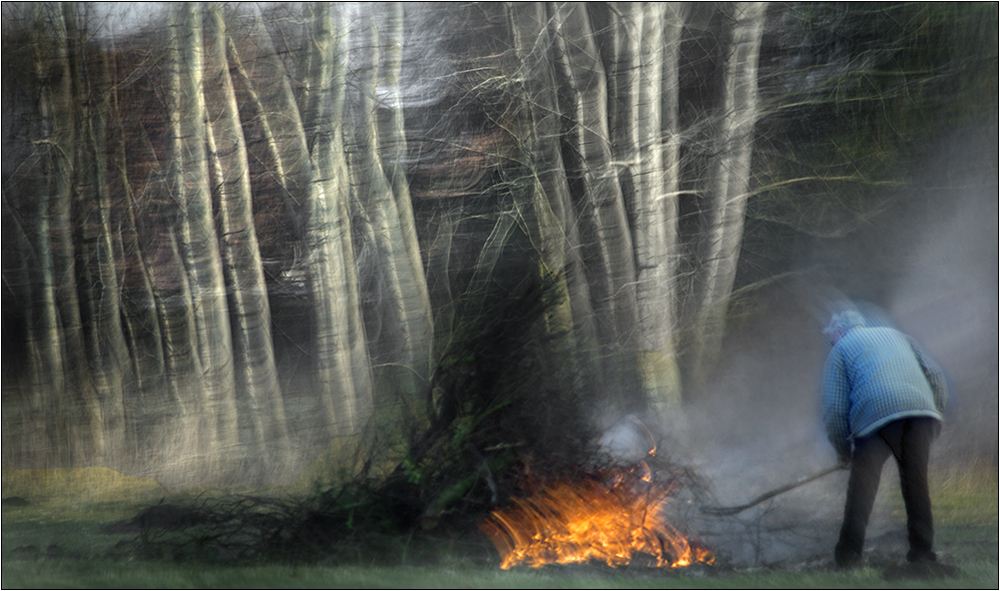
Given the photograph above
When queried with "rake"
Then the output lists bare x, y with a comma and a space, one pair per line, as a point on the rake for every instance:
773, 493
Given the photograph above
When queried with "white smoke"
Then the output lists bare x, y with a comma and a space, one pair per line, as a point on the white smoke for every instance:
760, 425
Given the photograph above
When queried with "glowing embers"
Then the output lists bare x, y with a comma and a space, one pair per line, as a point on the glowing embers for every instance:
617, 518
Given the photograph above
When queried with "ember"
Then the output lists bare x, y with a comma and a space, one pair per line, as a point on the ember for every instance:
616, 518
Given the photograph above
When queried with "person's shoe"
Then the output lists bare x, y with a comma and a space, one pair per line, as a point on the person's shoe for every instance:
846, 559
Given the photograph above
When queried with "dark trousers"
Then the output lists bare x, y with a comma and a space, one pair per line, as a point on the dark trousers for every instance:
909, 440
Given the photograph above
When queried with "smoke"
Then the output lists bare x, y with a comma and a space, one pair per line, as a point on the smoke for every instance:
948, 301
930, 261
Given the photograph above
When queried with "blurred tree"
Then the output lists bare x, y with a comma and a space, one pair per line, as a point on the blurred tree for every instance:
232, 233
852, 95
211, 406
262, 431
338, 339
723, 188
581, 165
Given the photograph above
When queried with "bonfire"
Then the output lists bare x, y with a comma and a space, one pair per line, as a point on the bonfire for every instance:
617, 516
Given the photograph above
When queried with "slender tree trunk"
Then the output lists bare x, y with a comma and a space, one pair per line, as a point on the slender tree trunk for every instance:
633, 51
262, 428
392, 144
397, 319
340, 353
214, 419
727, 185
558, 238
162, 430
140, 326
46, 385
607, 249
184, 419
100, 295
619, 31
652, 227
77, 432
675, 14
274, 108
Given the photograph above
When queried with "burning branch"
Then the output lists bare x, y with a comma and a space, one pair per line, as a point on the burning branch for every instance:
614, 517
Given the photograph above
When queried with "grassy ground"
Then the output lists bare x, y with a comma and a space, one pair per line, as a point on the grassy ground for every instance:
58, 540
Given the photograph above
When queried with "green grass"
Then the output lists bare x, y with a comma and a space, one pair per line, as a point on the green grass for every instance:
68, 573
58, 542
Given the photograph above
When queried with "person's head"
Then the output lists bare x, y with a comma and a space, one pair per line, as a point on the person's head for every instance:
841, 323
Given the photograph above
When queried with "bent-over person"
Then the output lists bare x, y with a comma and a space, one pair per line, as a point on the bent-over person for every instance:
882, 396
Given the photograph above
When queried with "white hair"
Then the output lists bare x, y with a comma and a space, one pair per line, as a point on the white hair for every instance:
841, 322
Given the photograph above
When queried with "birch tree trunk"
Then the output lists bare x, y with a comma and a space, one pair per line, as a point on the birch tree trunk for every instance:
607, 243
340, 354
140, 324
285, 151
213, 423
393, 154
654, 234
727, 184
75, 428
557, 239
107, 355
674, 17
46, 386
160, 427
175, 200
640, 44
397, 307
262, 430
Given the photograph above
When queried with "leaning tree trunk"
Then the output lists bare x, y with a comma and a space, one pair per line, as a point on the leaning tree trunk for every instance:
213, 424
263, 433
398, 318
272, 103
727, 185
558, 238
607, 242
340, 355
106, 350
393, 154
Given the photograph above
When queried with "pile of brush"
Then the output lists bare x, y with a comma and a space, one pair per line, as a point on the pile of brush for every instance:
508, 405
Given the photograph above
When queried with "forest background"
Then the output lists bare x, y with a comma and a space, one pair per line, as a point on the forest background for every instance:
238, 235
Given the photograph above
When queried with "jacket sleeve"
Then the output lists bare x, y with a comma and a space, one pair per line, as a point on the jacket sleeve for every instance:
935, 377
837, 404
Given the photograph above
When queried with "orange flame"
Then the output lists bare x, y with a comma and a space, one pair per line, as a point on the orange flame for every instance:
613, 520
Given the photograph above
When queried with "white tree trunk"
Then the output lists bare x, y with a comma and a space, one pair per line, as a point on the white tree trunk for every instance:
340, 353
215, 421
728, 181
607, 248
262, 430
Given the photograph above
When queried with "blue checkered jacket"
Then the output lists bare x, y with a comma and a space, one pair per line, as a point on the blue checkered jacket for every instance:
875, 376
